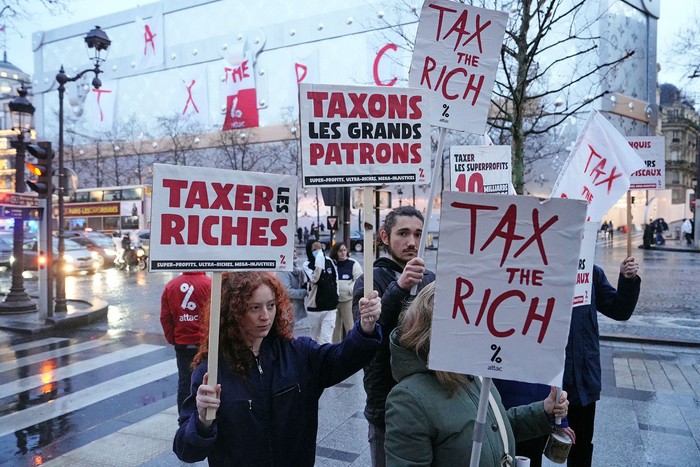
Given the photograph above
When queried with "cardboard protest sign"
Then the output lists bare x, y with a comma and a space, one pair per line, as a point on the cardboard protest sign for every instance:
456, 55
651, 149
504, 289
480, 169
599, 167
584, 274
360, 135
207, 219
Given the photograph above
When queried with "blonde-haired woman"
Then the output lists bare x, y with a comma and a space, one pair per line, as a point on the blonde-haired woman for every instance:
430, 415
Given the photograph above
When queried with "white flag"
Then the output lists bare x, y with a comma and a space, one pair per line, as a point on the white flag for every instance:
599, 167
100, 106
149, 42
192, 98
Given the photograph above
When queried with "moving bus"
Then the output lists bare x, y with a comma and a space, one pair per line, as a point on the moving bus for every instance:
111, 208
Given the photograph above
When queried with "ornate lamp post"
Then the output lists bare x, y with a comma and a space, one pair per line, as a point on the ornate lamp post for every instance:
97, 41
17, 300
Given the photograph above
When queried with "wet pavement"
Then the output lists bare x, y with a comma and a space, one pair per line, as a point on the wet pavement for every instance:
649, 412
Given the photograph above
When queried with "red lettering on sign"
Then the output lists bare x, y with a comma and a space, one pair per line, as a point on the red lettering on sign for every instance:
488, 308
375, 66
459, 26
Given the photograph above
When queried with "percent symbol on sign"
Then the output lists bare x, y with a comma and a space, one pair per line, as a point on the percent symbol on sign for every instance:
495, 357
186, 303
444, 112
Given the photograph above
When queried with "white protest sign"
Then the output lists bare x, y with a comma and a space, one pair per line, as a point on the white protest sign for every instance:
599, 167
652, 150
361, 135
207, 219
456, 55
584, 275
480, 169
504, 291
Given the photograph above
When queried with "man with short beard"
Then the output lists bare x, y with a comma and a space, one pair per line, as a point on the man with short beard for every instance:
394, 277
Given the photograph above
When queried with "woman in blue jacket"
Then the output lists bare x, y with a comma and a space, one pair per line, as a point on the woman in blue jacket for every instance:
266, 401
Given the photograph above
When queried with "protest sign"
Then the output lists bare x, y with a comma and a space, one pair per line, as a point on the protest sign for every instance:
360, 135
207, 219
584, 274
504, 292
651, 149
455, 58
480, 169
599, 167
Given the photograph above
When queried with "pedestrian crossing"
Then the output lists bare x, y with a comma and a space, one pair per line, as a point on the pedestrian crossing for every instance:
60, 393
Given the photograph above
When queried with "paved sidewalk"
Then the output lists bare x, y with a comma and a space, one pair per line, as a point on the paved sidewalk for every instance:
648, 415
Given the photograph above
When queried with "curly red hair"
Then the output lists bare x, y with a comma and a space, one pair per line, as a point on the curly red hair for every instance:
237, 288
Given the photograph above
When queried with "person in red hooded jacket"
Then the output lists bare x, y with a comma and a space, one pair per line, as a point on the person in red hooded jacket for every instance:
182, 304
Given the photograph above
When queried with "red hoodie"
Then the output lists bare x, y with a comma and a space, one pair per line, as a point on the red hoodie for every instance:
182, 305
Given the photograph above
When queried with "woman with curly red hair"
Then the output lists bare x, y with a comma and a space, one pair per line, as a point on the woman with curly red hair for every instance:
266, 401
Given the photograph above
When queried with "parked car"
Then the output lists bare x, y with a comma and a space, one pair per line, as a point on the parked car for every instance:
77, 257
357, 240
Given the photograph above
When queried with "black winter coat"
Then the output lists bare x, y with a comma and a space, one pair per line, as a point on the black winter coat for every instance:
378, 379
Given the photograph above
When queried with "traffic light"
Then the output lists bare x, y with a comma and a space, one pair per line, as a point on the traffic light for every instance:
41, 168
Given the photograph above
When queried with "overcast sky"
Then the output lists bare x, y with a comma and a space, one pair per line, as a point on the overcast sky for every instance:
675, 14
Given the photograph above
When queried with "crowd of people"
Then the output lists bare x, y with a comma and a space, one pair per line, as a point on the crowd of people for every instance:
269, 382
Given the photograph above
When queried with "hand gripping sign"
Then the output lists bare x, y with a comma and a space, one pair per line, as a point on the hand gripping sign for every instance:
504, 292
206, 219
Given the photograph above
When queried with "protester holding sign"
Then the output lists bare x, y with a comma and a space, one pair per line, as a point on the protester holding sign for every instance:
394, 277
349, 271
582, 372
430, 415
266, 401
322, 300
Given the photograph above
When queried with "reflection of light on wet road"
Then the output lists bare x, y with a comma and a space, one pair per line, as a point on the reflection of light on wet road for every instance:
71, 287
47, 367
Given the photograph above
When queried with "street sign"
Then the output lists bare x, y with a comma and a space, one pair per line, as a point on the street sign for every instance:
19, 199
332, 222
15, 212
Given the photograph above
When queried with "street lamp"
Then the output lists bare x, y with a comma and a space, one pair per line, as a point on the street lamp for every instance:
97, 40
17, 300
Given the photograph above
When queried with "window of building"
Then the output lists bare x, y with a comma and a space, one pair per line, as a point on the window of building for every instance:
674, 155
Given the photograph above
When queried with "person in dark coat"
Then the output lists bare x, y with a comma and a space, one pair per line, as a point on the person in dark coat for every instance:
394, 277
269, 384
582, 370
648, 236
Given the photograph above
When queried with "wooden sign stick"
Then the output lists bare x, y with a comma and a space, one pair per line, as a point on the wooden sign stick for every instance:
214, 322
629, 224
369, 229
